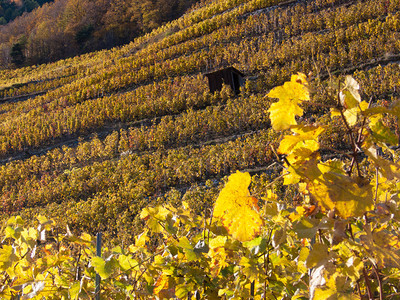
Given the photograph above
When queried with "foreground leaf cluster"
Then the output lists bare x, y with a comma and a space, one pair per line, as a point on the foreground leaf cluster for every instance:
337, 240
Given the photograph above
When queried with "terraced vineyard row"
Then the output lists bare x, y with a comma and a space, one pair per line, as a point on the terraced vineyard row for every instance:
157, 78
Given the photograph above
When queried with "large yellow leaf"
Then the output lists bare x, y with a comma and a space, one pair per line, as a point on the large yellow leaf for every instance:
283, 113
290, 94
301, 144
237, 210
349, 197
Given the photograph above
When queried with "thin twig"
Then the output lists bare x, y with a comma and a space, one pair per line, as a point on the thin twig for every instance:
368, 284
376, 184
337, 151
363, 123
353, 145
379, 281
393, 295
208, 233
265, 279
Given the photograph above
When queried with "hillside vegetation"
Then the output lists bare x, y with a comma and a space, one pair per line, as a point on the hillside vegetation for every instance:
100, 136
65, 28
91, 141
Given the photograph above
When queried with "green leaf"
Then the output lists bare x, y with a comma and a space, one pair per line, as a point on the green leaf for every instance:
74, 290
17, 220
381, 133
279, 237
181, 291
306, 228
154, 216
187, 248
102, 267
201, 247
257, 245
126, 262
318, 255
7, 257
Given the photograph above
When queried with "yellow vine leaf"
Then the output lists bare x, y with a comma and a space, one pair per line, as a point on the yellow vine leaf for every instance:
381, 133
237, 210
218, 260
382, 245
164, 287
349, 197
290, 95
350, 96
351, 115
389, 169
303, 170
301, 144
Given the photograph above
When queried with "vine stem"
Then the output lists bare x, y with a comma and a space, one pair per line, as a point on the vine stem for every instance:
376, 271
376, 184
353, 145
368, 284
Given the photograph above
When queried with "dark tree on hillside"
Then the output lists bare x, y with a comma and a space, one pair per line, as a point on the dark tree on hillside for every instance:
30, 5
17, 54
83, 35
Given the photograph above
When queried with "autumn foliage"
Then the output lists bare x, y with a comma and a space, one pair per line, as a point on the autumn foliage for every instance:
341, 241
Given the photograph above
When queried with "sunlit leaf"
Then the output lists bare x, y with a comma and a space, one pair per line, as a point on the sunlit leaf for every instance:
140, 240
127, 262
347, 196
7, 257
350, 95
383, 246
387, 168
153, 216
237, 209
102, 267
381, 133
187, 248
317, 256
218, 260
351, 115
305, 169
302, 137
290, 95
163, 287
74, 290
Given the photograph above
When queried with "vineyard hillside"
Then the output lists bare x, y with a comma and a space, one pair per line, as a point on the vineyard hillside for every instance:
92, 140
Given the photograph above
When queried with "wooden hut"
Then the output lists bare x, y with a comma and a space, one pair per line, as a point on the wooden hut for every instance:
230, 76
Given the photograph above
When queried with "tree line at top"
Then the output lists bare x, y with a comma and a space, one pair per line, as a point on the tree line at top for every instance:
65, 28
10, 9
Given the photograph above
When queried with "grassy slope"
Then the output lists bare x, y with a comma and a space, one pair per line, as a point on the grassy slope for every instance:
93, 139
